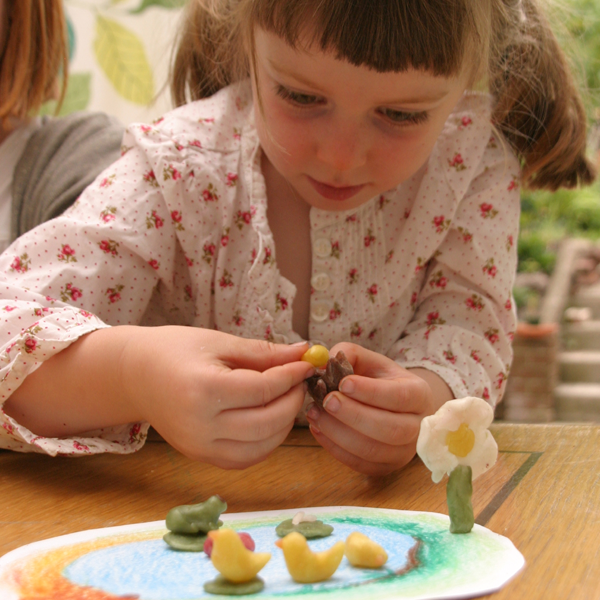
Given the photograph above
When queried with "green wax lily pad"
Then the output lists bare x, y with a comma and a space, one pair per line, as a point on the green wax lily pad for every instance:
220, 585
185, 542
309, 529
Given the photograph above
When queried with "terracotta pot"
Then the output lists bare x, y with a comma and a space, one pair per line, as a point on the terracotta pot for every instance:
536, 331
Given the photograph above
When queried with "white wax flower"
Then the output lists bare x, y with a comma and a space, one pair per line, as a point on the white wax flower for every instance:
302, 517
457, 434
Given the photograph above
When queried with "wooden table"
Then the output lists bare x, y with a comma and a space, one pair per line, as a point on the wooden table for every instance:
543, 494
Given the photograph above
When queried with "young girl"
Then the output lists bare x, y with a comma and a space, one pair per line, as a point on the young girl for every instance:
333, 178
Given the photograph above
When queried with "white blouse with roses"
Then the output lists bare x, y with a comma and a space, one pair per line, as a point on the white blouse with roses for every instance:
175, 232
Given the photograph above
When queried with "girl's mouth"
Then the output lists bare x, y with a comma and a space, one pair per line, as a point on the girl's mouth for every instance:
332, 192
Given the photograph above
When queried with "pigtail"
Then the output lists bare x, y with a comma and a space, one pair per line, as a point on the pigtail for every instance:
209, 53
539, 109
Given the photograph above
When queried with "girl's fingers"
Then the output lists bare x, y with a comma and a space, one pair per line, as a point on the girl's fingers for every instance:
406, 395
372, 434
260, 423
242, 388
349, 459
258, 355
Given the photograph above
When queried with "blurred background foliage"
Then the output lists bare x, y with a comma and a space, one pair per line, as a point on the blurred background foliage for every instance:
546, 217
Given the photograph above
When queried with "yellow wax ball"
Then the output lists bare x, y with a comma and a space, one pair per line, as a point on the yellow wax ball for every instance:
317, 356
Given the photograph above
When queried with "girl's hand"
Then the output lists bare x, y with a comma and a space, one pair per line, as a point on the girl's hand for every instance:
372, 423
215, 397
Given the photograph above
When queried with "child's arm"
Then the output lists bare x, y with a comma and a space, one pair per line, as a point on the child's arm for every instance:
373, 423
215, 397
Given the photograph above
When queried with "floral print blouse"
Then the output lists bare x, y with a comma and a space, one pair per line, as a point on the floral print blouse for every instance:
175, 232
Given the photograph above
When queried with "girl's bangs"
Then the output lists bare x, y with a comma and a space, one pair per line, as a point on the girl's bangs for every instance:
384, 35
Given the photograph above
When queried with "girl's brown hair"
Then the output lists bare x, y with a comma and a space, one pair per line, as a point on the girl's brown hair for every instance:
35, 54
537, 105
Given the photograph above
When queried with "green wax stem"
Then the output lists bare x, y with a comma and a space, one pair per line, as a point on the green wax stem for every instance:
458, 495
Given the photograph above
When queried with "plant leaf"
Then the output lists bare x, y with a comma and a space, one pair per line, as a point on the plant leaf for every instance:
77, 96
121, 55
168, 4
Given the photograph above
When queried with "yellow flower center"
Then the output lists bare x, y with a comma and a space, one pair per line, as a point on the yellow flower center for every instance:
461, 441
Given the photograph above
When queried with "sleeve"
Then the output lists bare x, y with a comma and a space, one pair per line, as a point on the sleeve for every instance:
465, 320
96, 265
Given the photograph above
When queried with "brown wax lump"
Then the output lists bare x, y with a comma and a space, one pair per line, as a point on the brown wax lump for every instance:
328, 379
188, 524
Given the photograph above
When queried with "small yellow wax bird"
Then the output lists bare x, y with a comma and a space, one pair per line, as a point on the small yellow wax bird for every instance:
306, 566
232, 559
363, 552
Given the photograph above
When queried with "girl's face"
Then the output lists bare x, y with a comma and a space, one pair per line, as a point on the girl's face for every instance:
341, 134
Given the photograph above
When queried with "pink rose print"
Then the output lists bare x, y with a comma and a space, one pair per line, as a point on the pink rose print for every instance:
369, 238
238, 320
209, 194
154, 221
475, 356
382, 202
9, 308
225, 237
244, 218
21, 264
226, 280
154, 264
207, 120
487, 210
465, 122
109, 247
178, 146
108, 214
441, 224
281, 303
475, 302
70, 292
125, 149
150, 178
232, 180
335, 312
188, 292
86, 314
449, 356
107, 181
508, 304
500, 379
8, 428
351, 219
114, 293
240, 103
433, 320
208, 251
413, 298
196, 143
457, 163
268, 259
39, 312
356, 330
373, 333
438, 280
490, 268
421, 264
66, 254
189, 261
29, 345
467, 236
352, 275
176, 218
135, 434
146, 129
492, 142
510, 242
237, 133
485, 394
372, 292
269, 334
492, 335
170, 172
81, 447
389, 256
158, 121
514, 184
335, 249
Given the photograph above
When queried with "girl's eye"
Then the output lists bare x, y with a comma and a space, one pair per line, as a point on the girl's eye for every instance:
400, 117
297, 98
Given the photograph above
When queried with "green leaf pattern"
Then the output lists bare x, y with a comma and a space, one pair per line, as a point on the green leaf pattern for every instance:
122, 57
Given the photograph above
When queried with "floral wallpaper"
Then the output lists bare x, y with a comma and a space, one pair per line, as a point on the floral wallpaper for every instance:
119, 56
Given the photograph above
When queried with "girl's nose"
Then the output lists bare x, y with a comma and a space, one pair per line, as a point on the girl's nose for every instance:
341, 147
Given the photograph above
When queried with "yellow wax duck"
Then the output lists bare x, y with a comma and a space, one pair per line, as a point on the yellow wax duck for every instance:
306, 566
363, 552
232, 559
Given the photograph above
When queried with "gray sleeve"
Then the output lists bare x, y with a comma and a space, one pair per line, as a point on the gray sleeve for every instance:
59, 161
